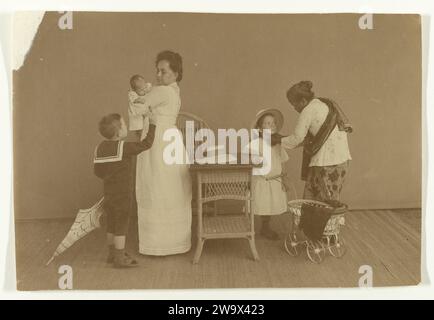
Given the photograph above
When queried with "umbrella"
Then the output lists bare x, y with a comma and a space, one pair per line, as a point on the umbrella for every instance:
86, 221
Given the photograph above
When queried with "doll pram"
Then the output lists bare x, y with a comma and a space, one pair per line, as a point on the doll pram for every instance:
331, 241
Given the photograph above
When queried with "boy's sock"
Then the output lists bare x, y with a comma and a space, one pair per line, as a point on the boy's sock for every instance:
121, 258
119, 242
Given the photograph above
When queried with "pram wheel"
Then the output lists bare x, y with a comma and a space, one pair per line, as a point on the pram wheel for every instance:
337, 247
315, 251
291, 245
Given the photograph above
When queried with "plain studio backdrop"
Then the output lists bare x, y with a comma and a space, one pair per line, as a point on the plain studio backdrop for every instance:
234, 65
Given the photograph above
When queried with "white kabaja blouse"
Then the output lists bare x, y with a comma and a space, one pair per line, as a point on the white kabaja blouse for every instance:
334, 151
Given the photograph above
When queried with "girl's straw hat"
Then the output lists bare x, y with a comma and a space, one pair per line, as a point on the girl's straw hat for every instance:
278, 118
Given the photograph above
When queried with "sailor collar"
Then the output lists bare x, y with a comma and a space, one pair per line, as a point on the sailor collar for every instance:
109, 151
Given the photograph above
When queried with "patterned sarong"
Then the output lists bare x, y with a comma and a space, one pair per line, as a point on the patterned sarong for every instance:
325, 183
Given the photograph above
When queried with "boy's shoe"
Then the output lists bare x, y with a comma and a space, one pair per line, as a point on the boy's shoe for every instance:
130, 257
270, 234
123, 260
111, 256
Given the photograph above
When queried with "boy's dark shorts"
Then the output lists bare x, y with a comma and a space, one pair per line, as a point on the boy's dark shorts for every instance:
117, 208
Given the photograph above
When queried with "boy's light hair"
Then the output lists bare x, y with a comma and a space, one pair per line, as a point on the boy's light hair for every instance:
110, 125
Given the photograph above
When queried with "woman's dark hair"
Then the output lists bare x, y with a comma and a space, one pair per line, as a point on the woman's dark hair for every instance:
175, 62
300, 90
110, 125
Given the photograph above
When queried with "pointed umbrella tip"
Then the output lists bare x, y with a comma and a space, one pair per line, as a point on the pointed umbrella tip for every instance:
49, 261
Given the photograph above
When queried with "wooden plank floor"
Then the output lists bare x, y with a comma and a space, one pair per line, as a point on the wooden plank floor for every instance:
389, 241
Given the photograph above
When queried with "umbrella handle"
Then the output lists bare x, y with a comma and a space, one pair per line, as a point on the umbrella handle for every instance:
49, 261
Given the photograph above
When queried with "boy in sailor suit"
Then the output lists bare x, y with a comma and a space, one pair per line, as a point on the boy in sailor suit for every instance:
113, 163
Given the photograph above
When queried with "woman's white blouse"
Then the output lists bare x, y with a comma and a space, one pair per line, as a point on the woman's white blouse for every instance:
334, 151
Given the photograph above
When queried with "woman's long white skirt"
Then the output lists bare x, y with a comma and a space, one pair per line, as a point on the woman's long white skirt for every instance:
163, 194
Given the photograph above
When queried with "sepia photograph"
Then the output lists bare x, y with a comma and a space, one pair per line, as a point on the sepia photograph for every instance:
169, 150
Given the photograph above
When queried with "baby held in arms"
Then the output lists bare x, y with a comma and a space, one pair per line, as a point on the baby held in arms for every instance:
138, 89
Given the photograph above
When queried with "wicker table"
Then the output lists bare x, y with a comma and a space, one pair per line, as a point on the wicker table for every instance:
224, 182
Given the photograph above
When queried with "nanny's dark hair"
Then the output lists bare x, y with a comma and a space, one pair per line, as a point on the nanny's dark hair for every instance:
110, 125
174, 59
300, 90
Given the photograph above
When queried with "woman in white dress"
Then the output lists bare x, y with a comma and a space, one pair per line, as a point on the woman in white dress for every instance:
163, 191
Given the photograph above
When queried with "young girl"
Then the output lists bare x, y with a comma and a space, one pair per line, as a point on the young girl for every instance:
269, 195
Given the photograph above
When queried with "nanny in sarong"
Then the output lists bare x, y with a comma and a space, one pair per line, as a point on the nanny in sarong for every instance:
163, 191
322, 130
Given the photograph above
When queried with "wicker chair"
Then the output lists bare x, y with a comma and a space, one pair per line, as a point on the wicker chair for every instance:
183, 117
199, 123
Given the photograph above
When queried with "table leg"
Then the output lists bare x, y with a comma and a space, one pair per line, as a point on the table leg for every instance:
253, 247
198, 252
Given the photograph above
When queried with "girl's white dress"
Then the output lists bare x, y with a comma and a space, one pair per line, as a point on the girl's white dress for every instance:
269, 197
163, 191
